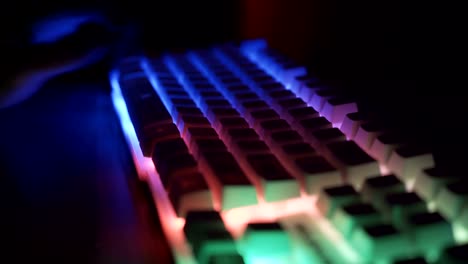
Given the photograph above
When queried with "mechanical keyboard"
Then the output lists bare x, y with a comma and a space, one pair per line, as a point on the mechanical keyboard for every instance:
250, 159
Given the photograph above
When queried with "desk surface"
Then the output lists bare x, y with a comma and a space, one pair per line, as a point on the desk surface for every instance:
69, 190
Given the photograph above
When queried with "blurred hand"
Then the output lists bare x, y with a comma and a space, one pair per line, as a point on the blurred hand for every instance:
60, 43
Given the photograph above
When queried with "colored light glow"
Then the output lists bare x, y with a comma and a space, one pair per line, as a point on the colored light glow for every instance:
460, 233
237, 219
331, 241
172, 225
384, 170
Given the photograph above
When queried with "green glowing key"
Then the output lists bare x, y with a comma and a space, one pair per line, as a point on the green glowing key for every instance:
349, 217
430, 232
332, 198
266, 242
381, 242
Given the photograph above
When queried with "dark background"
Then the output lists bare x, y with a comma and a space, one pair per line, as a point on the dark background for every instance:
69, 194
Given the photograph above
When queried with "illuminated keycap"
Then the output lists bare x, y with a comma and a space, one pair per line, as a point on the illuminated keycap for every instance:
350, 217
408, 161
452, 198
376, 188
430, 181
430, 233
357, 164
381, 242
333, 197
265, 241
335, 109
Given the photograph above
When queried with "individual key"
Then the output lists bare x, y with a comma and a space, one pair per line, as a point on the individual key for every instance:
189, 193
456, 254
187, 121
285, 137
299, 149
271, 126
452, 198
430, 232
301, 80
254, 105
332, 198
216, 243
286, 104
352, 122
179, 111
265, 241
175, 166
290, 71
168, 148
307, 91
157, 134
196, 133
233, 122
238, 88
295, 115
318, 173
232, 187
398, 206
408, 161
281, 94
431, 180
246, 96
201, 146
256, 117
327, 135
277, 183
318, 99
367, 133
381, 243
357, 164
386, 143
376, 188
242, 134
309, 125
349, 217
251, 147
198, 223
335, 109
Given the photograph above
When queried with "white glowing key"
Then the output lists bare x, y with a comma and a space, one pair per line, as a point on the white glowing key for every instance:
408, 161
351, 123
356, 164
318, 99
337, 108
367, 133
384, 144
452, 199
430, 181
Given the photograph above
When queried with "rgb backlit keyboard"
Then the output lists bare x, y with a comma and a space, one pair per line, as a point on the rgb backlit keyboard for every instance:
251, 160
